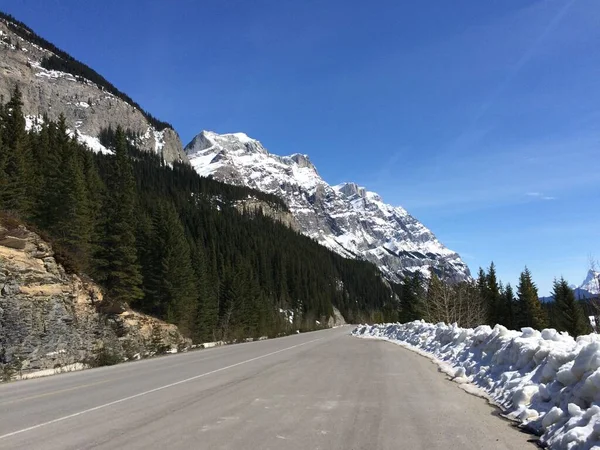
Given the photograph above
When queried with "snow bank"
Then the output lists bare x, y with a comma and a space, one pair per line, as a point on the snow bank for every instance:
48, 372
547, 380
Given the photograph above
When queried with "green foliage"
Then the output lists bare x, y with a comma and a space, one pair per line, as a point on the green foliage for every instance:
498, 309
508, 302
16, 177
411, 298
567, 312
173, 244
530, 311
104, 356
118, 262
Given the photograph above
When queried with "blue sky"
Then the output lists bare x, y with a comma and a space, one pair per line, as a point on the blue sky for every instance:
482, 118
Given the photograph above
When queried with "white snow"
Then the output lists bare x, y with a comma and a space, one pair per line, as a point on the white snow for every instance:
242, 137
547, 380
591, 282
346, 218
34, 123
288, 314
93, 143
159, 141
48, 372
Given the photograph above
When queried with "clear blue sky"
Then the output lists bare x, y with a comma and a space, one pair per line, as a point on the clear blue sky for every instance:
482, 118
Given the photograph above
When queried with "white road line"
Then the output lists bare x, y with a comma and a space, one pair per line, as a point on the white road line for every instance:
141, 394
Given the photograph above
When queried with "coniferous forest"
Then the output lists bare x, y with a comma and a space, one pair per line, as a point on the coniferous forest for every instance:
167, 242
172, 244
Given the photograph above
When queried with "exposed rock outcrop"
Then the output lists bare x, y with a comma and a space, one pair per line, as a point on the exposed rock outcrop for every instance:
86, 107
253, 205
346, 218
49, 318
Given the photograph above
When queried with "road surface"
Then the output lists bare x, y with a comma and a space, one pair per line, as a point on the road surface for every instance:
322, 390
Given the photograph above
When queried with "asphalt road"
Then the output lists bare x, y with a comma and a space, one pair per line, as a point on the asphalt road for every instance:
322, 390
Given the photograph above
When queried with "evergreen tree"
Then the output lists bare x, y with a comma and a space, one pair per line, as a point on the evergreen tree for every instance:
568, 313
497, 313
73, 225
508, 302
531, 313
411, 298
207, 315
16, 180
118, 264
434, 308
173, 283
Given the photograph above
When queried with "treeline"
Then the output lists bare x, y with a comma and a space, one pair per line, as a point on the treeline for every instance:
170, 243
488, 301
64, 62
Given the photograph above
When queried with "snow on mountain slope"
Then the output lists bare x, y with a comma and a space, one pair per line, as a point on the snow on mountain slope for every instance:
591, 283
346, 218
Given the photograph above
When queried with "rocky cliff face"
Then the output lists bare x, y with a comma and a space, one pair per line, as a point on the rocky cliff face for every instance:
50, 319
346, 218
253, 206
87, 107
591, 283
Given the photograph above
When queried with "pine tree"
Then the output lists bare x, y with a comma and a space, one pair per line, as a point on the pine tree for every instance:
96, 193
411, 298
434, 310
568, 313
207, 315
531, 313
16, 179
73, 227
496, 311
508, 302
118, 261
173, 280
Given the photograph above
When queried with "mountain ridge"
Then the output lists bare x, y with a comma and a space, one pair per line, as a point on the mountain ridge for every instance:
53, 83
346, 218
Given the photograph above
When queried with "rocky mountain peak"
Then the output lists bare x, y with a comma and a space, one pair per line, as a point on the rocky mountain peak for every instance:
230, 142
347, 218
591, 283
351, 190
303, 161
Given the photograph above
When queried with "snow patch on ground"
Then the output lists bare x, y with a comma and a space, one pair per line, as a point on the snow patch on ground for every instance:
93, 143
547, 380
48, 372
34, 123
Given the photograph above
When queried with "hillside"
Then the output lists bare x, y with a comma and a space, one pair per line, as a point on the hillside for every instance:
169, 243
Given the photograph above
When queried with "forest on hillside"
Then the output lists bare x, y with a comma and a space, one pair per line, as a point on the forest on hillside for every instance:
487, 301
172, 244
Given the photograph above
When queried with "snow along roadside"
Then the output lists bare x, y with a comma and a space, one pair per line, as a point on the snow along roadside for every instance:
547, 380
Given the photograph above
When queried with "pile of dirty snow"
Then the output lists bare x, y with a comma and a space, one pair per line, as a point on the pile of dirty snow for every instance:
547, 380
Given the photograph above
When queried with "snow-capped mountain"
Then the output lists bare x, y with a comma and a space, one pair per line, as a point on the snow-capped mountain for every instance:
346, 218
591, 283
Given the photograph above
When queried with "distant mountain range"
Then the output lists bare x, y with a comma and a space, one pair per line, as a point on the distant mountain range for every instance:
590, 287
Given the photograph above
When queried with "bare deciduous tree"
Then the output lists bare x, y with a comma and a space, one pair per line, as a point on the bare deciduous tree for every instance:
459, 303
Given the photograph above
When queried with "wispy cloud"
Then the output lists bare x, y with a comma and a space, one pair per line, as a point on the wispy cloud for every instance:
543, 169
540, 196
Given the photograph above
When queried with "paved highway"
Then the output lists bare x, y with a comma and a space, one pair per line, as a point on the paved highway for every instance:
322, 390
